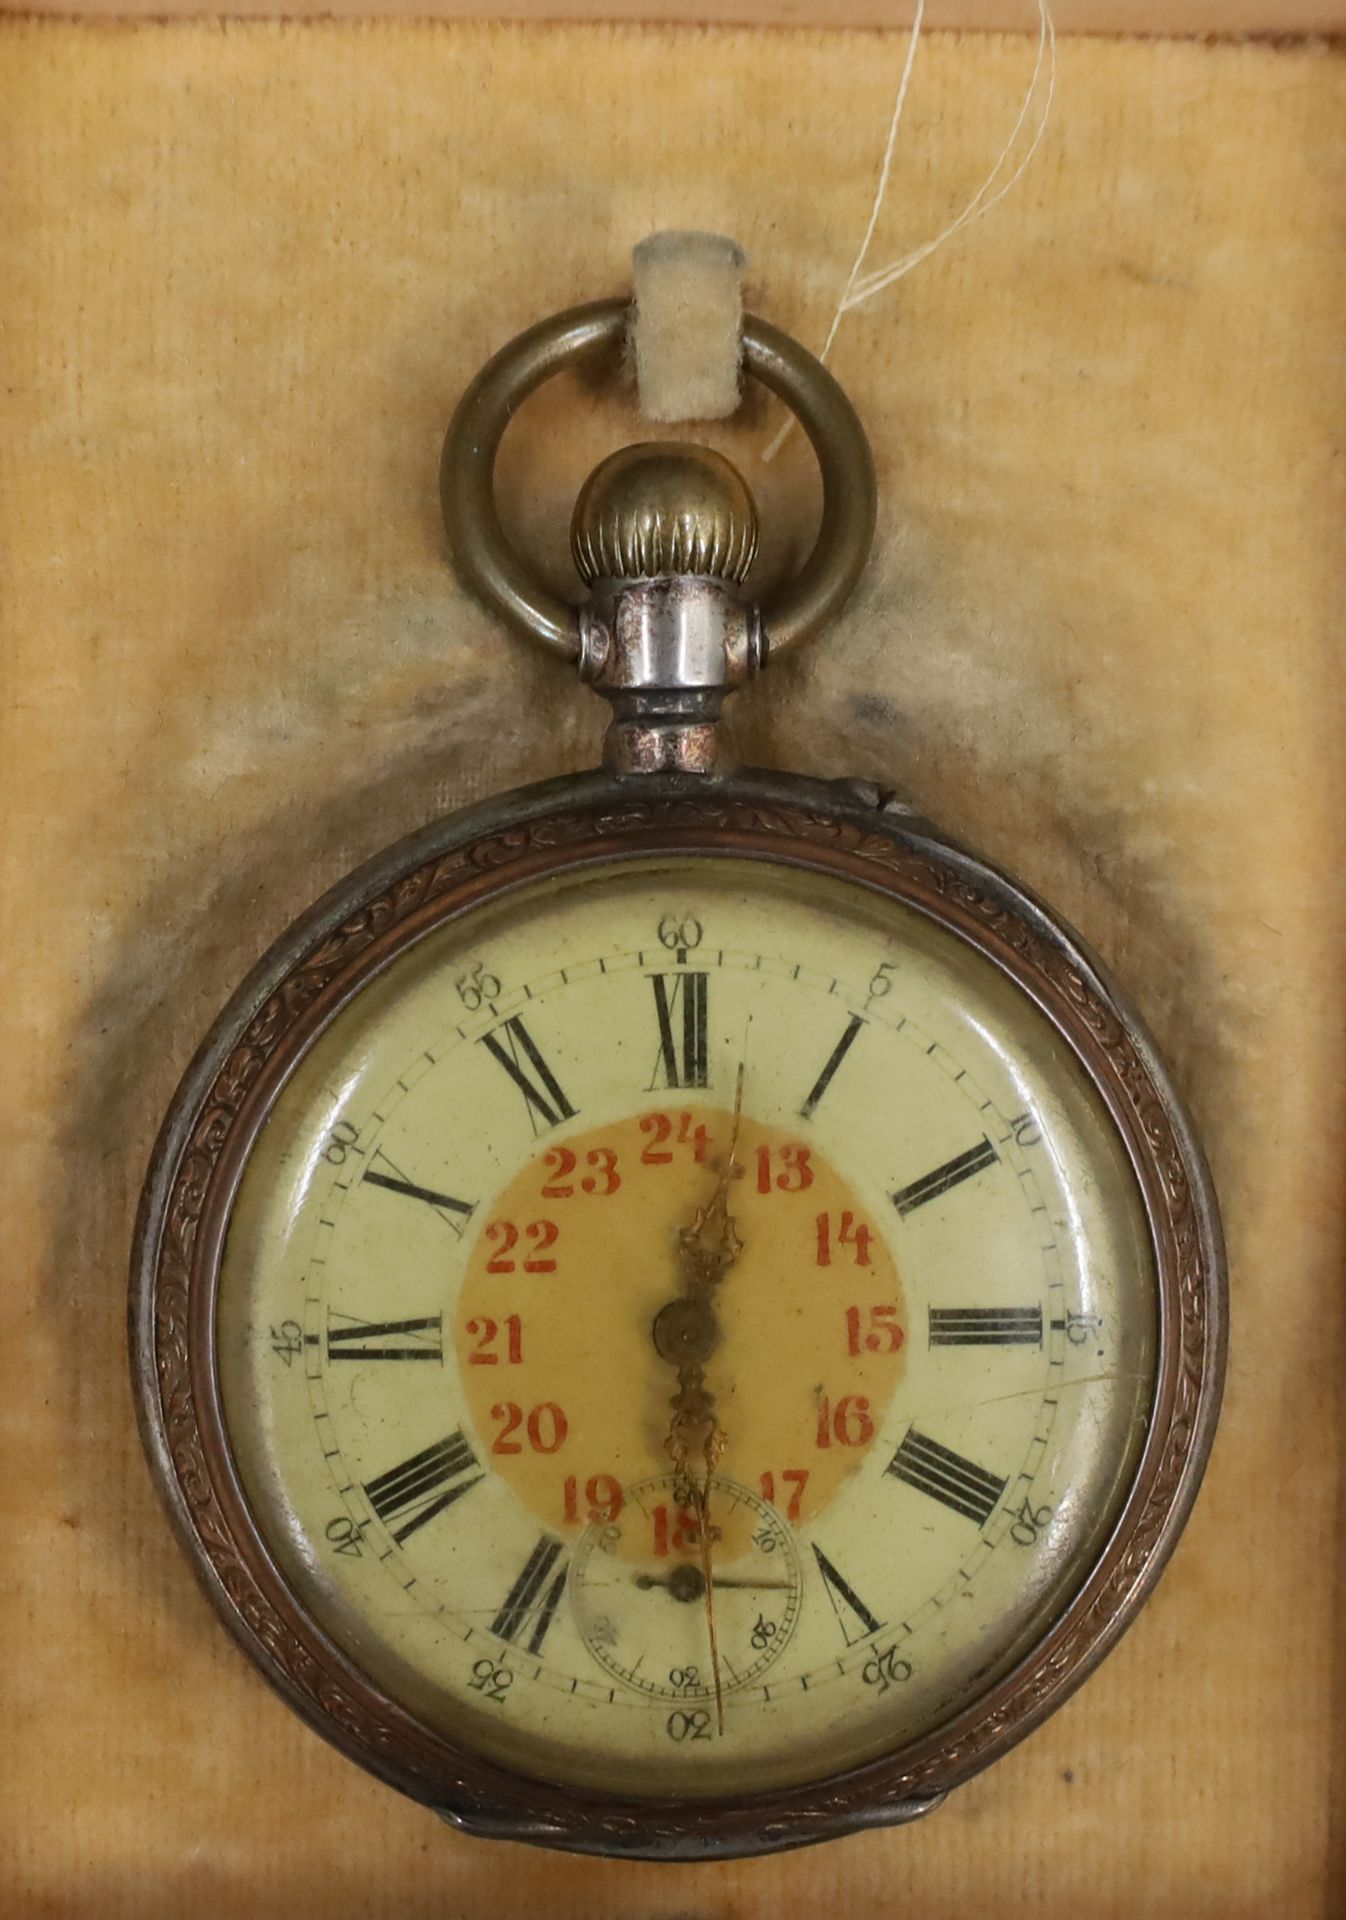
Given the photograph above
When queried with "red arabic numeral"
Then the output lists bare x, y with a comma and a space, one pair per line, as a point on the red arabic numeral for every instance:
694, 1137
877, 1331
796, 1170
848, 1235
546, 1427
485, 1330
544, 1233
607, 1179
508, 1235
798, 1479
603, 1497
661, 1127
562, 1163
849, 1423
679, 1532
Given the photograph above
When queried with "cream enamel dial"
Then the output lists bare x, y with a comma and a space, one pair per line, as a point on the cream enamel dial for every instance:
935, 1320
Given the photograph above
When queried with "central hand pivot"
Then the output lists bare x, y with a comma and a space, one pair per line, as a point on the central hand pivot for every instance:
686, 1331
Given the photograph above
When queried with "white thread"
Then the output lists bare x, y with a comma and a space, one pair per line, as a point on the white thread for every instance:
876, 282
858, 287
881, 191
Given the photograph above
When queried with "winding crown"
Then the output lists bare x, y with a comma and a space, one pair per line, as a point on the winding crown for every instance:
664, 508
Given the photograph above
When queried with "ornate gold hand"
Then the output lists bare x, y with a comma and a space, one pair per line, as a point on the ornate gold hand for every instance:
686, 1333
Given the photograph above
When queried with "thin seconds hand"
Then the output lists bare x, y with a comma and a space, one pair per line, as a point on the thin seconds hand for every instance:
715, 1439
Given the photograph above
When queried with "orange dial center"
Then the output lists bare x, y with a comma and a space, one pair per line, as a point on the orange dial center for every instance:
576, 1305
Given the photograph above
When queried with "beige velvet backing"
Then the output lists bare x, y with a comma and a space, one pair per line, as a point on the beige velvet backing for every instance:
244, 273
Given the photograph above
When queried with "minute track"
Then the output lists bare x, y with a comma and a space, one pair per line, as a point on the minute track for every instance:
588, 1019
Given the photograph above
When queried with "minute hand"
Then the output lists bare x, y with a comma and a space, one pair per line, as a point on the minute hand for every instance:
688, 1331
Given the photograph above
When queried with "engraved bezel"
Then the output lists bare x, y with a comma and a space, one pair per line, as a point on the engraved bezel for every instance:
351, 936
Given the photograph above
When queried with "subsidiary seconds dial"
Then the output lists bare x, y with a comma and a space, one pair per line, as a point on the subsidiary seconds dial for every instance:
656, 1548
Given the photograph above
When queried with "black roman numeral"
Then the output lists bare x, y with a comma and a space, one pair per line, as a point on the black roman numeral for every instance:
985, 1326
681, 1006
455, 1213
518, 1054
834, 1060
385, 1339
423, 1486
847, 1605
947, 1477
931, 1185
527, 1597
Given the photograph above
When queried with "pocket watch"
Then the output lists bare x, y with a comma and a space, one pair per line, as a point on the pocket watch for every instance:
677, 1312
